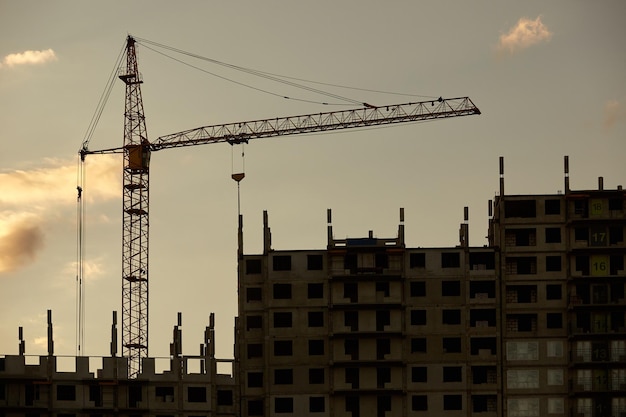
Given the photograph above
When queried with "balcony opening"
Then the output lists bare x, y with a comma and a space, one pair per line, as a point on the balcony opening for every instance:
482, 290
520, 208
480, 261
483, 343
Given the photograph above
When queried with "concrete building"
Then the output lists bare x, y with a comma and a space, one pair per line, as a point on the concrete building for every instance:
532, 324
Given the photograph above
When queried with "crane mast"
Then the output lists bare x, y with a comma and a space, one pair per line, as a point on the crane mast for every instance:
137, 149
135, 219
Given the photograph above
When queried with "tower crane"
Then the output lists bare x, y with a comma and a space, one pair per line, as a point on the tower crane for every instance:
136, 171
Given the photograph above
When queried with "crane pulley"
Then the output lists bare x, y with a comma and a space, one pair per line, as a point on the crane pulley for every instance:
137, 149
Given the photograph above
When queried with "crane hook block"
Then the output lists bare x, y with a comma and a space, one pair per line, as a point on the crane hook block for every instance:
238, 177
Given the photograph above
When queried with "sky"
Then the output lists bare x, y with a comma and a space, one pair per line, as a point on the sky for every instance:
548, 76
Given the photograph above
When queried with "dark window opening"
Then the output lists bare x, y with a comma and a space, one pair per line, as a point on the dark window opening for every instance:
418, 317
583, 321
254, 322
419, 403
484, 375
352, 377
2, 364
31, 393
95, 395
253, 266
482, 289
282, 291
483, 317
452, 402
553, 292
451, 316
554, 320
450, 288
281, 263
452, 374
196, 394
254, 294
381, 260
483, 343
353, 405
255, 350
282, 319
283, 405
316, 376
134, 395
484, 403
255, 379
581, 234
316, 319
418, 289
383, 404
617, 292
383, 287
224, 397
417, 260
283, 348
520, 237
617, 321
383, 347
451, 344
283, 376
383, 376
524, 265
351, 291
581, 207
450, 260
553, 263
164, 394
419, 374
615, 203
418, 345
350, 261
351, 320
66, 392
315, 290
317, 404
482, 261
553, 207
383, 319
616, 235
520, 208
522, 322
351, 348
521, 293
616, 264
314, 262
553, 235
316, 347
582, 264
255, 408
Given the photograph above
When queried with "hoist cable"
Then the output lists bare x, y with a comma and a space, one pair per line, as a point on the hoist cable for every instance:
104, 97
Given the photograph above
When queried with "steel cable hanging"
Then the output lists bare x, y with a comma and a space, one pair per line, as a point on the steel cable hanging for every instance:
272, 77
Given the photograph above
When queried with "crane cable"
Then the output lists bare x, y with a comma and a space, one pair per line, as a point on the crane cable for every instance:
80, 259
270, 76
81, 209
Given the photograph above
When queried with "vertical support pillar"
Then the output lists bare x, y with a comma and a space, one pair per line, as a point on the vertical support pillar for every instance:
267, 235
114, 335
501, 176
329, 227
401, 228
50, 339
566, 171
22, 345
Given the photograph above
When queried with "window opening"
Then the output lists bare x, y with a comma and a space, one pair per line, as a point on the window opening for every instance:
450, 260
418, 289
282, 291
281, 262
315, 262
417, 260
253, 266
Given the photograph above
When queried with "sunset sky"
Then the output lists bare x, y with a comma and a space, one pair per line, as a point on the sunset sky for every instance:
548, 76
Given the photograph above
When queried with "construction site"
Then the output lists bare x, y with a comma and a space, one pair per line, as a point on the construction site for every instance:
531, 324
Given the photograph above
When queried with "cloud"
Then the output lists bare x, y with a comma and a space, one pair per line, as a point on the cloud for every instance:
614, 112
28, 58
21, 238
55, 184
524, 34
29, 199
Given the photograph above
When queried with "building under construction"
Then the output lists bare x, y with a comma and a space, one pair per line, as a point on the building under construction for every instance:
532, 324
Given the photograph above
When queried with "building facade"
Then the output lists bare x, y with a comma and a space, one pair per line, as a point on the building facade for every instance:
532, 324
